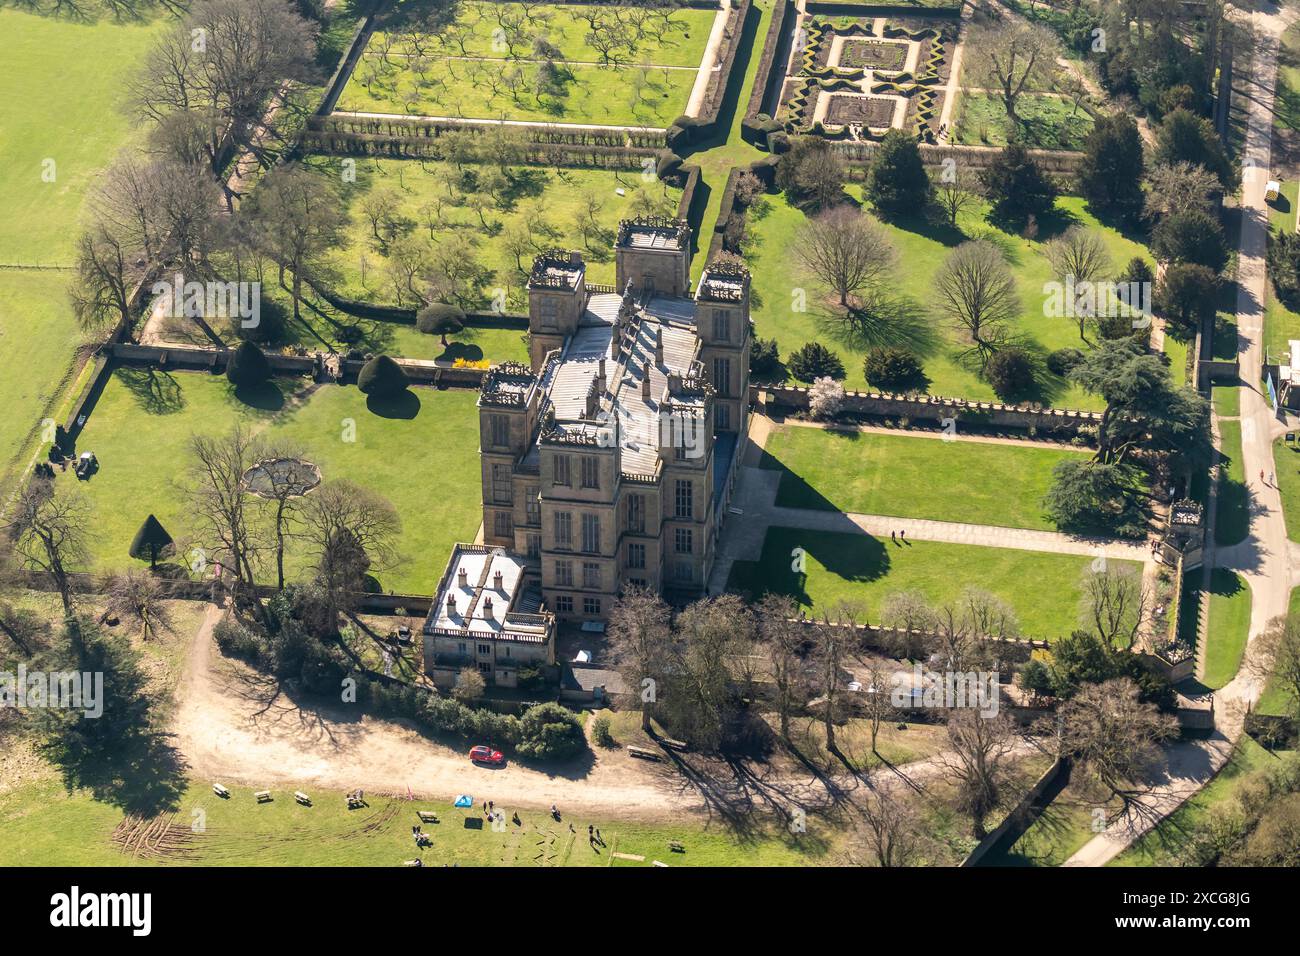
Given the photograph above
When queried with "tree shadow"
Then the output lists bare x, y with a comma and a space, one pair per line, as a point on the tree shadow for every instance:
462, 351
405, 405
157, 392
266, 396
892, 320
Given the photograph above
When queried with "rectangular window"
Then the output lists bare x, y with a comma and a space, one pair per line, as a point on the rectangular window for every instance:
500, 431
636, 556
562, 476
684, 498
503, 524
485, 648
502, 488
683, 541
721, 325
591, 533
564, 574
548, 311
684, 572
563, 604
534, 546
722, 417
532, 507
591, 605
563, 529
590, 575
461, 649
636, 514
590, 471
484, 667
722, 376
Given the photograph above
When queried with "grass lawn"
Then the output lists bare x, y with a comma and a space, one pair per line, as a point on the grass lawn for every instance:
1162, 845
1286, 458
62, 86
1282, 211
1229, 625
1227, 397
1063, 827
913, 476
781, 284
140, 426
469, 73
1275, 700
42, 825
1046, 122
863, 570
1232, 507
543, 203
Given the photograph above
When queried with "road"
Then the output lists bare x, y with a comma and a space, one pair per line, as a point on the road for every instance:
1263, 559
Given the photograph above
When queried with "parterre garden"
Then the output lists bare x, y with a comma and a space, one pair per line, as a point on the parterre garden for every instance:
591, 63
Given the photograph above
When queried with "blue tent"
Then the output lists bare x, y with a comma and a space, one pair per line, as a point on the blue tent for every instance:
465, 801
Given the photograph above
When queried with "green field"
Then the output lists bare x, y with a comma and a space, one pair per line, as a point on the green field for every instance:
1046, 122
493, 73
62, 88
1228, 627
541, 203
1232, 505
140, 426
913, 476
863, 570
42, 825
781, 284
1227, 397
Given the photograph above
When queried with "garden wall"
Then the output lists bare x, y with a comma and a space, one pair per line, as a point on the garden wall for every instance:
763, 98
933, 408
1020, 818
717, 91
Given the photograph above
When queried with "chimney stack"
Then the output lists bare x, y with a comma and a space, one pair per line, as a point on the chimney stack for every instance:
645, 383
659, 346
462, 578
496, 581
600, 376
488, 613
451, 605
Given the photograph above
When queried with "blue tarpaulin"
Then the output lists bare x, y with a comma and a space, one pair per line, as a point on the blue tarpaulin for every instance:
464, 800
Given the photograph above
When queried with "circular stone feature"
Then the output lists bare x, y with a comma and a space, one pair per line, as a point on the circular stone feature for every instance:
273, 477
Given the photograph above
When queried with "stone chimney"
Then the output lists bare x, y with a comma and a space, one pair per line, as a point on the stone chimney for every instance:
600, 376
451, 605
645, 383
659, 346
462, 578
489, 614
496, 581
674, 382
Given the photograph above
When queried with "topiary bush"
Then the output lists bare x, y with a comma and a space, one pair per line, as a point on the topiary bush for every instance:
813, 361
1010, 372
248, 366
764, 359
1062, 360
439, 318
550, 731
669, 166
892, 369
382, 377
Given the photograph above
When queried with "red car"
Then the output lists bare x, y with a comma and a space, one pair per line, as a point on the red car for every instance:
482, 754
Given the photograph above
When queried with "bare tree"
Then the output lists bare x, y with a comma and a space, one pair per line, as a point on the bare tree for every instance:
1280, 655
848, 250
894, 835
1109, 729
349, 530
640, 634
106, 276
952, 195
978, 293
123, 204
1009, 55
138, 595
702, 699
909, 615
833, 642
1181, 185
978, 760
219, 503
878, 701
1116, 603
48, 533
1079, 255
783, 638
23, 626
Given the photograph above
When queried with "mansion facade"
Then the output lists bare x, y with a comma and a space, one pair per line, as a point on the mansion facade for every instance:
610, 458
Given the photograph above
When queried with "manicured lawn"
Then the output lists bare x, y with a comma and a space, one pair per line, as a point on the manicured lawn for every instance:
1046, 122
62, 86
1275, 700
863, 570
649, 88
1063, 827
913, 476
782, 285
1177, 350
1232, 507
1162, 845
544, 203
142, 422
1227, 397
1228, 628
1281, 325
1282, 211
42, 825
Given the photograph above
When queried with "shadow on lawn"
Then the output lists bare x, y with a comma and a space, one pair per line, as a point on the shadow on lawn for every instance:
266, 397
405, 405
158, 392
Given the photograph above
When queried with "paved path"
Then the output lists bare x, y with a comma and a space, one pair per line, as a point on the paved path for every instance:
1264, 558
709, 62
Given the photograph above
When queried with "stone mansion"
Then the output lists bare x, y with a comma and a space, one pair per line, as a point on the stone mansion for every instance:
609, 460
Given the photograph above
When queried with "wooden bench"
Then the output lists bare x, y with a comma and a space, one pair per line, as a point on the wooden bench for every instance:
263, 796
643, 753
427, 816
302, 798
221, 791
676, 846
674, 744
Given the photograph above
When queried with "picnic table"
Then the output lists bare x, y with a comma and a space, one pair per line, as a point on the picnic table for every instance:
263, 796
